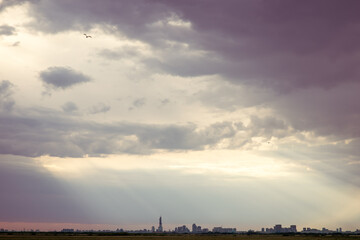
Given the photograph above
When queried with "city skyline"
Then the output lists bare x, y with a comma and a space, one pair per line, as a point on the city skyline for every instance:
183, 228
197, 229
238, 113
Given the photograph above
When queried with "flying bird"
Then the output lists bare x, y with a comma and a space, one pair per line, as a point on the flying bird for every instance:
87, 36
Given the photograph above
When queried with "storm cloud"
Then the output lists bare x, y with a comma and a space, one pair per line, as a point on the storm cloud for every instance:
52, 134
292, 58
283, 45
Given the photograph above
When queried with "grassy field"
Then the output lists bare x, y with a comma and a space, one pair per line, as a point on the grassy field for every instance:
175, 237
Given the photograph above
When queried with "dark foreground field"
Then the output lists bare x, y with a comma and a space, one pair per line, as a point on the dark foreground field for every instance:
44, 236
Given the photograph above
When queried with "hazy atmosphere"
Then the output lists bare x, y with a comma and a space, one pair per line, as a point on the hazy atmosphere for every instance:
236, 113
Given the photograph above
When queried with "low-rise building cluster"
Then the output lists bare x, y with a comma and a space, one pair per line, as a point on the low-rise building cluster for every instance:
195, 229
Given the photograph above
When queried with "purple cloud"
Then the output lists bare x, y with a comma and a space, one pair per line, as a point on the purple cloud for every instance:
279, 44
62, 77
55, 134
284, 46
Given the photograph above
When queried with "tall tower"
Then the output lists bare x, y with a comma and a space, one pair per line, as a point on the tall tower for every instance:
160, 228
194, 228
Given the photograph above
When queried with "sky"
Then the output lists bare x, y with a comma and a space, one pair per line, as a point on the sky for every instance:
237, 113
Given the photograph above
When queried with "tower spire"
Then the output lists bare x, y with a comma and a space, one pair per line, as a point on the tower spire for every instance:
160, 228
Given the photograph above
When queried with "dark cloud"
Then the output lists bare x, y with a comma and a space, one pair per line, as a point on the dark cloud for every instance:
276, 45
330, 112
6, 101
69, 107
38, 133
7, 30
9, 3
280, 44
294, 58
84, 14
99, 108
62, 77
49, 133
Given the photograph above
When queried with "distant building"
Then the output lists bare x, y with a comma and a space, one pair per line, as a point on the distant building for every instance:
279, 229
205, 230
223, 230
68, 230
152, 229
182, 229
311, 230
196, 229
160, 228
